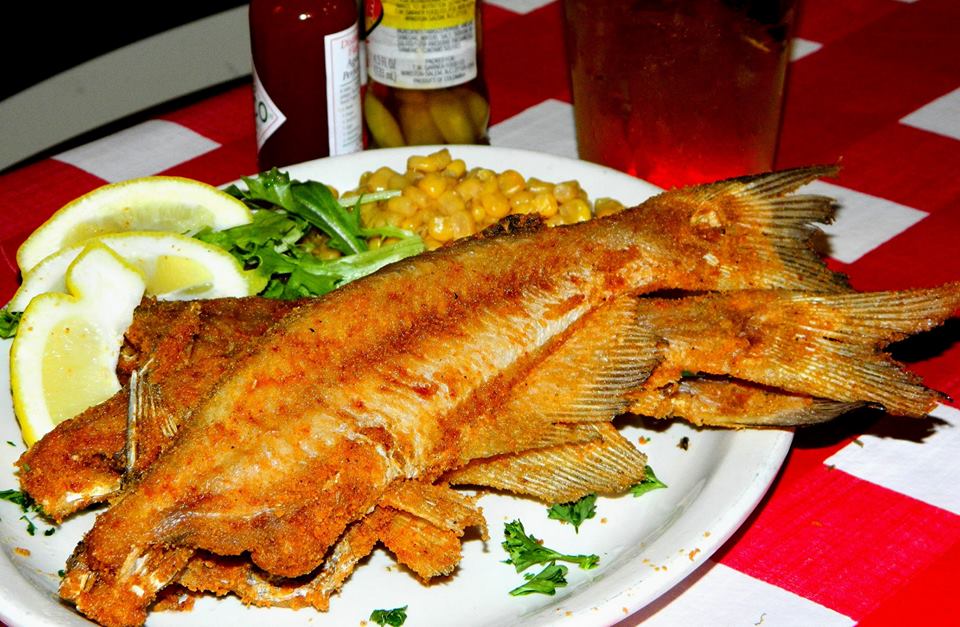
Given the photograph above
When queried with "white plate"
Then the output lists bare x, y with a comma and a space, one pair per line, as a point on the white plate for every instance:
646, 545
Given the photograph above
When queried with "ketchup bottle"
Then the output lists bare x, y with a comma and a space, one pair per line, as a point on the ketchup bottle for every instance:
306, 79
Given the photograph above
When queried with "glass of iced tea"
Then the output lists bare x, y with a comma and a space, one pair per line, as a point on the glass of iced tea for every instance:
678, 91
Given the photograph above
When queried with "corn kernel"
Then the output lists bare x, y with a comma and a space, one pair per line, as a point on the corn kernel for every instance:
462, 224
402, 206
441, 228
510, 182
568, 190
374, 243
419, 163
450, 202
433, 184
520, 202
484, 174
397, 182
469, 188
607, 207
536, 186
554, 220
419, 197
489, 186
495, 204
576, 210
455, 168
379, 179
545, 204
476, 210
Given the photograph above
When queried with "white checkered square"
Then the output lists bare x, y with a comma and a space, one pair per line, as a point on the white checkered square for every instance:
520, 6
719, 595
800, 47
546, 127
141, 150
941, 116
863, 221
925, 469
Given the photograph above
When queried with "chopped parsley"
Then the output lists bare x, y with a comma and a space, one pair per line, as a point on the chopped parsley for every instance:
545, 582
394, 617
525, 550
650, 482
574, 512
27, 506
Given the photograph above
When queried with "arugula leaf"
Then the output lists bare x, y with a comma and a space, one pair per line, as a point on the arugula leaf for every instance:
526, 550
574, 512
545, 582
394, 617
9, 320
650, 482
278, 245
311, 201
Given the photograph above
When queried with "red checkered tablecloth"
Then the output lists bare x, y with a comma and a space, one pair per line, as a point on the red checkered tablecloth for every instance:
863, 523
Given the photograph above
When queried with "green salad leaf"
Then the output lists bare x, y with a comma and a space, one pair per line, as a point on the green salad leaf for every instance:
9, 320
281, 243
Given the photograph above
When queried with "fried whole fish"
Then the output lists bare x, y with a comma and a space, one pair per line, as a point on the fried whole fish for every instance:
459, 359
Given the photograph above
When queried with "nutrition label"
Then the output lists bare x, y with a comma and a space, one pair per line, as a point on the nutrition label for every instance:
421, 45
344, 124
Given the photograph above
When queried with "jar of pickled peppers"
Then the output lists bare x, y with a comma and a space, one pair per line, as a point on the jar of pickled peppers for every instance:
425, 84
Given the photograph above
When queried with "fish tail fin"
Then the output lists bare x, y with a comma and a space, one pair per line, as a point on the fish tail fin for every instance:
753, 232
733, 403
823, 345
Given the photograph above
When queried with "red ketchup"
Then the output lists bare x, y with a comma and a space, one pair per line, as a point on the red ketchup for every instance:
306, 79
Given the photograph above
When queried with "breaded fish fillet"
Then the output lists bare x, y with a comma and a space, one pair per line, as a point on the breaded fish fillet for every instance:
440, 360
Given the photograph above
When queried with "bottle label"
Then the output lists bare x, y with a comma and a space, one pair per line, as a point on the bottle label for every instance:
268, 116
423, 45
344, 122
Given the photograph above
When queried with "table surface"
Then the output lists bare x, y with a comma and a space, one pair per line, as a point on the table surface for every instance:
862, 523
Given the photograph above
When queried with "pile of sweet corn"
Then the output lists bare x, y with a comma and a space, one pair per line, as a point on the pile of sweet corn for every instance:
441, 200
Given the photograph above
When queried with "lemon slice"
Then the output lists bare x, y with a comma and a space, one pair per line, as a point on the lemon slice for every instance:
64, 356
176, 267
153, 203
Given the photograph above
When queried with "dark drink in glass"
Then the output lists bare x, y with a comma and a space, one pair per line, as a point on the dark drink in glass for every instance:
678, 91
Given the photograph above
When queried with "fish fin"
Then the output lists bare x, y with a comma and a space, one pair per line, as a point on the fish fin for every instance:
424, 548
732, 403
220, 575
581, 377
439, 505
823, 345
759, 236
560, 474
122, 597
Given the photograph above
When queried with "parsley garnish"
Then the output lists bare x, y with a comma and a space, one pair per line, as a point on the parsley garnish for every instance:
394, 617
650, 482
526, 550
574, 512
545, 582
27, 505
31, 528
9, 320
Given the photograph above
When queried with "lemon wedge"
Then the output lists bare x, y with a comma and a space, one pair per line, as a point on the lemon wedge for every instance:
176, 267
153, 203
64, 356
